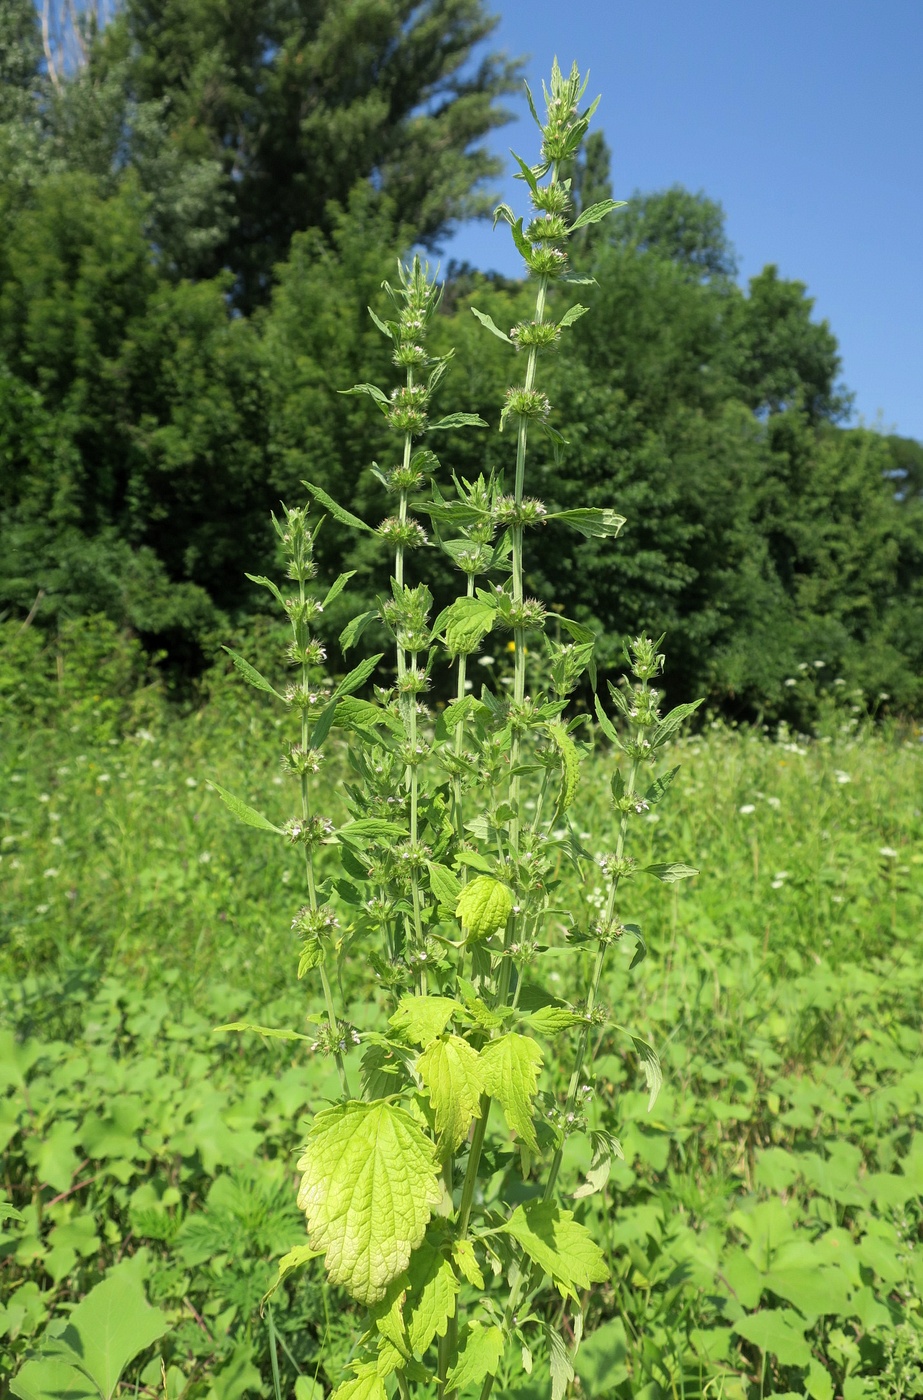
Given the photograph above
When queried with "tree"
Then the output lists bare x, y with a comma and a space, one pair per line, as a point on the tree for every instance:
788, 360
688, 229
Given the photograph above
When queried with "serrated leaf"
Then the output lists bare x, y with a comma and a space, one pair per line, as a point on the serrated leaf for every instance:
650, 1063
593, 522
366, 1385
467, 1264
573, 314
570, 765
551, 1020
354, 629
672, 722
358, 676
272, 1032
362, 714
300, 1254
251, 674
594, 213
660, 786
605, 723
510, 1066
444, 883
267, 583
525, 173
383, 326
559, 1363
370, 829
242, 812
488, 321
559, 1245
466, 623
431, 1297
457, 420
479, 1356
483, 907
336, 588
372, 390
670, 873
370, 1180
453, 1077
640, 952
605, 1147
337, 511
423, 1019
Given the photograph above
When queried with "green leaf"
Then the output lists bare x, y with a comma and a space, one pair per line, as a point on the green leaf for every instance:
267, 583
483, 907
670, 874
467, 623
487, 321
572, 314
660, 786
371, 829
358, 676
780, 1332
423, 1019
431, 1297
243, 812
50, 1377
526, 173
467, 1264
111, 1325
570, 765
444, 883
270, 1031
336, 589
605, 723
479, 1356
372, 390
672, 722
354, 629
453, 1077
300, 1254
510, 1066
251, 674
365, 1385
595, 212
605, 1147
551, 1020
363, 714
650, 1063
593, 522
457, 420
559, 1362
370, 1180
338, 513
324, 724
383, 326
559, 1245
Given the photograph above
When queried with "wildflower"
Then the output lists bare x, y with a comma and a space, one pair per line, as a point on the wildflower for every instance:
52, 872
746, 809
487, 660
190, 782
791, 681
44, 797
841, 777
888, 852
774, 802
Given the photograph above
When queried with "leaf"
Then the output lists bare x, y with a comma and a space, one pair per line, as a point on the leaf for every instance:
595, 212
431, 1297
371, 829
605, 1147
551, 1020
358, 676
111, 1325
243, 812
559, 1363
570, 765
479, 1356
300, 1254
650, 1063
267, 583
269, 1031
525, 173
423, 1019
593, 522
467, 1264
672, 722
366, 1385
457, 420
779, 1331
605, 723
453, 1077
338, 513
363, 714
372, 390
483, 907
670, 874
324, 724
488, 321
510, 1066
572, 314
559, 1245
336, 589
383, 326
370, 1180
251, 674
444, 883
660, 786
354, 629
467, 623
50, 1377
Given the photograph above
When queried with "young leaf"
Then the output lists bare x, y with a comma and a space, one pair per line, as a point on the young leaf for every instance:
525, 173
660, 785
551, 1020
243, 812
605, 1147
479, 1356
457, 420
593, 522
336, 589
270, 1031
373, 391
444, 884
570, 765
431, 1297
650, 1063
383, 326
367, 1384
483, 907
605, 723
357, 677
672, 722
338, 513
453, 1077
559, 1363
423, 1019
595, 212
487, 321
573, 314
301, 1254
267, 583
467, 1264
354, 629
559, 1245
510, 1065
251, 674
670, 874
363, 714
467, 622
370, 1180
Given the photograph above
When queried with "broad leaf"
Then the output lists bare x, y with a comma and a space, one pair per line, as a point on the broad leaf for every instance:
444, 884
370, 1180
467, 1264
338, 513
510, 1065
559, 1245
111, 1325
431, 1297
354, 629
593, 522
367, 1384
595, 212
467, 623
49, 1378
551, 1020
779, 1331
423, 1019
243, 812
453, 1077
479, 1356
483, 907
670, 874
457, 420
573, 314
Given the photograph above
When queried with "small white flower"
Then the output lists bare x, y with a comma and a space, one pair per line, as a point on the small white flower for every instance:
286, 876
652, 817
277, 781
791, 681
818, 664
191, 783
104, 778
156, 762
205, 857
888, 852
486, 660
51, 872
469, 685
838, 680
746, 809
57, 841
774, 802
841, 777
43, 797
42, 908
54, 816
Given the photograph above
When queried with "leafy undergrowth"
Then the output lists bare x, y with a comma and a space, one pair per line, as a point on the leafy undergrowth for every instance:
763, 1231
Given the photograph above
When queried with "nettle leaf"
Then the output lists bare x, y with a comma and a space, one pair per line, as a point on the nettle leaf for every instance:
659, 787
479, 1356
488, 321
271, 1032
457, 420
453, 1076
605, 1147
573, 314
559, 1363
301, 1254
431, 1297
242, 812
670, 874
336, 588
251, 674
444, 884
367, 1384
363, 714
595, 212
605, 723
354, 630
337, 511
267, 583
467, 622
672, 722
570, 765
593, 522
358, 676
370, 1180
559, 1245
423, 1019
467, 1264
510, 1066
650, 1063
551, 1020
483, 907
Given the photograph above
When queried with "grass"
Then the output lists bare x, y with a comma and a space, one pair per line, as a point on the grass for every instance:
763, 1229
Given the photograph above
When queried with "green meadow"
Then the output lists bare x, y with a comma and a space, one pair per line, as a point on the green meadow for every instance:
763, 1228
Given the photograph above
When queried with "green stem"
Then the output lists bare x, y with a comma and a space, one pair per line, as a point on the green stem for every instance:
471, 1171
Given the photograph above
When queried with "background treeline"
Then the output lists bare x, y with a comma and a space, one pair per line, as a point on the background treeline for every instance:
193, 222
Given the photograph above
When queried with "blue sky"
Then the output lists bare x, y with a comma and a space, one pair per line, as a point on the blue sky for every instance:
804, 119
